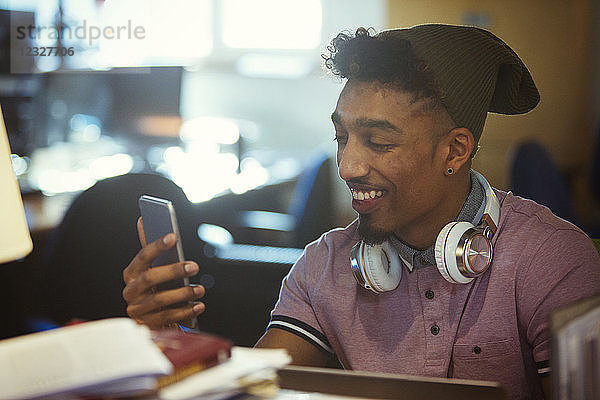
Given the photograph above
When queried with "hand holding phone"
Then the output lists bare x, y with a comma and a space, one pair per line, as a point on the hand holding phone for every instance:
159, 219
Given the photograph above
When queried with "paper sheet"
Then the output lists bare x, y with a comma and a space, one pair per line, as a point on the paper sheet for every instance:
225, 377
81, 356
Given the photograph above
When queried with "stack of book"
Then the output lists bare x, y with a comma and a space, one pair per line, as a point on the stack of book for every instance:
116, 357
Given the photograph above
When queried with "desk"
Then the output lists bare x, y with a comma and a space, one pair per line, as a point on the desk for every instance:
43, 212
21, 279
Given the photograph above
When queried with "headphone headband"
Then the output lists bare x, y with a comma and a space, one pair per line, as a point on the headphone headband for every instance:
491, 213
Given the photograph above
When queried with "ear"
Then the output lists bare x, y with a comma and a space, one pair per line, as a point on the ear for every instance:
459, 143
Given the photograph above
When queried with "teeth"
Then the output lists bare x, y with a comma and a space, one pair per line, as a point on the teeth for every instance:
358, 195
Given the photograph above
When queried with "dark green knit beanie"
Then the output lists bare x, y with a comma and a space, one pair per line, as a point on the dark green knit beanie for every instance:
476, 72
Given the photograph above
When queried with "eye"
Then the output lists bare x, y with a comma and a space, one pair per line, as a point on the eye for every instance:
381, 146
341, 139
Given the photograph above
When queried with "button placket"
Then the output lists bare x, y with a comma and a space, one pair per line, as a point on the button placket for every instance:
433, 304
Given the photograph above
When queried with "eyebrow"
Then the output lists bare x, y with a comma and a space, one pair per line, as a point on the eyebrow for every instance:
335, 118
369, 123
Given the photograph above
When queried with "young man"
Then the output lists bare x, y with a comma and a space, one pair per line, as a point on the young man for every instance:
454, 278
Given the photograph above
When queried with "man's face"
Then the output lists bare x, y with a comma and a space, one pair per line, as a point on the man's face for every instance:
389, 159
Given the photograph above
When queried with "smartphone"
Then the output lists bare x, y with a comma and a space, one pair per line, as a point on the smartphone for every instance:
158, 216
159, 219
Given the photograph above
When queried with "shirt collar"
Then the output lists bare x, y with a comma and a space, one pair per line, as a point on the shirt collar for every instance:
471, 211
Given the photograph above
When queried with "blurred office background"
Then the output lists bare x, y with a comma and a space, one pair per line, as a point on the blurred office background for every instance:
237, 88
229, 100
220, 96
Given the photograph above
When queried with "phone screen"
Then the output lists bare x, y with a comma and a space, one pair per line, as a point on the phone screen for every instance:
158, 216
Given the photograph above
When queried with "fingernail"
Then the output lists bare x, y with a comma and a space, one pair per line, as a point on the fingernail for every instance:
168, 239
190, 268
198, 290
198, 308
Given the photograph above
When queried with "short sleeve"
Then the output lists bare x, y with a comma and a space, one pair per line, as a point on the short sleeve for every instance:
564, 269
293, 311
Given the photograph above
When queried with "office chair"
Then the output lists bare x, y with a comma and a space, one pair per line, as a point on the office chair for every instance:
96, 240
534, 175
255, 251
84, 260
241, 291
308, 214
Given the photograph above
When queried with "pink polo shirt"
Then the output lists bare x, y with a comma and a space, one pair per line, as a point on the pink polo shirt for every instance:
494, 328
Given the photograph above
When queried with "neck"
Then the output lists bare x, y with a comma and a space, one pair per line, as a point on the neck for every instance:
422, 233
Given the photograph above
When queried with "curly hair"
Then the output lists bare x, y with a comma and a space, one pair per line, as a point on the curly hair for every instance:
367, 57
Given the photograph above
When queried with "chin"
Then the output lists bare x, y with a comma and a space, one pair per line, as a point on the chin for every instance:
371, 234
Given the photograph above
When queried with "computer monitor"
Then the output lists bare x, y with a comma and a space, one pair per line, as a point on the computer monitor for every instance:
138, 93
13, 56
18, 84
118, 98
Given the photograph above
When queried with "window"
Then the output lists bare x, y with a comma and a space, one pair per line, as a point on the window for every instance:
118, 33
174, 32
272, 24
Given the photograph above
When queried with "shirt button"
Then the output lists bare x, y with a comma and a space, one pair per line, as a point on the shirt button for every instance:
429, 294
477, 350
435, 330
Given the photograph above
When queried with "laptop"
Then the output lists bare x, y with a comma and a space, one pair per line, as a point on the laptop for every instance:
385, 386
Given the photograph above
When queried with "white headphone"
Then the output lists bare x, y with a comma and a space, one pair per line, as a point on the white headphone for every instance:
463, 251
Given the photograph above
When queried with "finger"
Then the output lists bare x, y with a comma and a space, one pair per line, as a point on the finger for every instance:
170, 316
144, 258
141, 233
155, 302
149, 278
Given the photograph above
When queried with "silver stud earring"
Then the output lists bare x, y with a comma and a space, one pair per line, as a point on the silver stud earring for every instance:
450, 171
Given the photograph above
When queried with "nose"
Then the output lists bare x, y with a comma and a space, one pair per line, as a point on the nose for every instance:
352, 161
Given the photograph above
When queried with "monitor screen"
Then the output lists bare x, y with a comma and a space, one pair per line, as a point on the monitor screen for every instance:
119, 99
140, 93
18, 85
14, 59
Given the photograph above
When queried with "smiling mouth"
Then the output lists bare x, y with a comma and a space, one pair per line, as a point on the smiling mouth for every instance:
362, 195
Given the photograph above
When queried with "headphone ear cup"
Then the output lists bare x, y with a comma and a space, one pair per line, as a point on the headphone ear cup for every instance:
382, 267
445, 251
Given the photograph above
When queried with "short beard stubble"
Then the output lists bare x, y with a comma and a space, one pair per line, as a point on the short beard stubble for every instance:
369, 234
